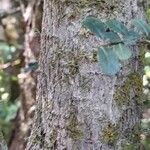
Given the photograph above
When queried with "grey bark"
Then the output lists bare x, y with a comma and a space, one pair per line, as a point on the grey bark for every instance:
3, 144
76, 107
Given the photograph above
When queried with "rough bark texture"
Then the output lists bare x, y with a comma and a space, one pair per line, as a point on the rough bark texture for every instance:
3, 144
79, 108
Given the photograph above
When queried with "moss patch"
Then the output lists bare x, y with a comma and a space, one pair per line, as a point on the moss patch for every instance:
73, 128
128, 146
73, 68
94, 56
85, 3
135, 133
53, 136
141, 56
109, 134
122, 94
133, 138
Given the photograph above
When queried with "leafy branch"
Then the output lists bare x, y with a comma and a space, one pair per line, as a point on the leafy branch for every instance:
118, 40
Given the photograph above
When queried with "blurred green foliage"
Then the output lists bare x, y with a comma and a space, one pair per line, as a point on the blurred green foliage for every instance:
9, 103
145, 123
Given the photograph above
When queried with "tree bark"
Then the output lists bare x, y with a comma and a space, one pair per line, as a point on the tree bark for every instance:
78, 107
32, 14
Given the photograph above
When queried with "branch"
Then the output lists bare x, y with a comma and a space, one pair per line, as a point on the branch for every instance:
6, 65
111, 44
11, 12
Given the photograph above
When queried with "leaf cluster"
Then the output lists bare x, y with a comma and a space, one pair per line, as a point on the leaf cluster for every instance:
119, 40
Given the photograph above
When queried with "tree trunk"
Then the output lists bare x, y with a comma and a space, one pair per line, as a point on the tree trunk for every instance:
78, 107
32, 20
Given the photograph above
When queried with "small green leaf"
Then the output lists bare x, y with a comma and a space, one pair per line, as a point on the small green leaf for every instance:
116, 26
94, 25
108, 61
111, 36
122, 51
131, 38
142, 26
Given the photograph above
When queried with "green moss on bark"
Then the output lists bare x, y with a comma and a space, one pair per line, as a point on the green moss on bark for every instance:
73, 127
53, 137
84, 3
133, 139
109, 134
133, 83
142, 55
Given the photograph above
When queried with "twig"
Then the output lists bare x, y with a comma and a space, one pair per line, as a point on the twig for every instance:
122, 42
111, 44
6, 65
7, 13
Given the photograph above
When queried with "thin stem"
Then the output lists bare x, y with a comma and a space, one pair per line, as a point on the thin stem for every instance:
11, 12
122, 42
